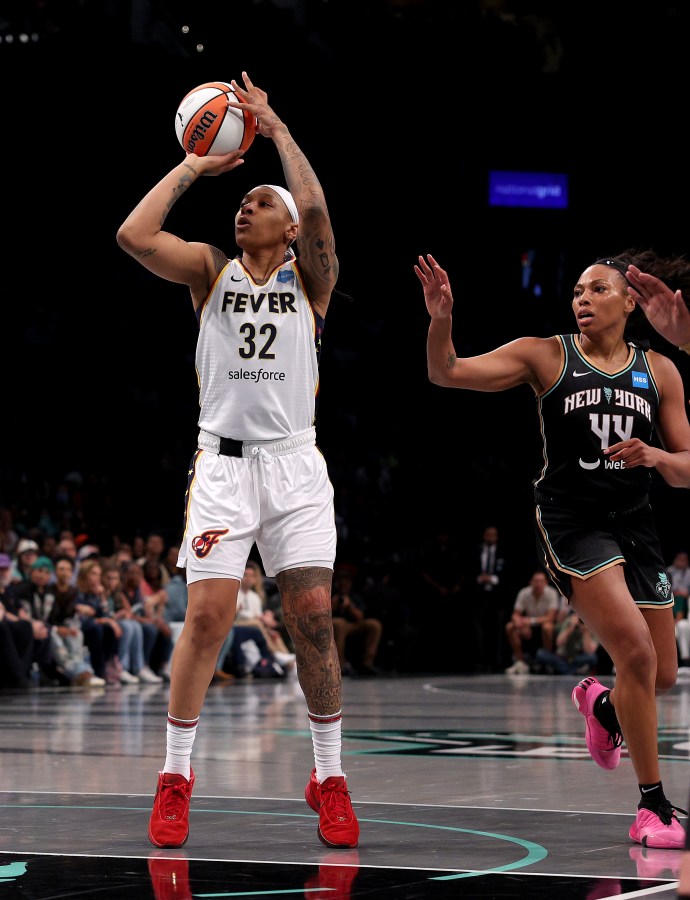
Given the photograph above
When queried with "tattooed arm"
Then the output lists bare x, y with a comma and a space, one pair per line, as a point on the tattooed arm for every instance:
166, 255
315, 240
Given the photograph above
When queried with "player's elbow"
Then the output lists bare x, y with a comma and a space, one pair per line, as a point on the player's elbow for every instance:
439, 377
132, 239
125, 238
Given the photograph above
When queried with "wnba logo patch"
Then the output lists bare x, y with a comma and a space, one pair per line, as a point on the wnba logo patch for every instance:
203, 543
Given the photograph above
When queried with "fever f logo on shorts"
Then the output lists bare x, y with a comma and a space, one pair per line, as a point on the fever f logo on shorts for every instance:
203, 543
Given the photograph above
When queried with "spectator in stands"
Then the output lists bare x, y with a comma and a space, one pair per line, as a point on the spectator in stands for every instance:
16, 651
16, 639
9, 539
575, 650
131, 645
174, 612
5, 572
485, 602
357, 635
48, 547
533, 622
122, 556
67, 547
138, 547
248, 655
32, 601
132, 578
102, 632
27, 554
679, 575
176, 605
69, 646
154, 552
251, 610
148, 607
64, 589
169, 561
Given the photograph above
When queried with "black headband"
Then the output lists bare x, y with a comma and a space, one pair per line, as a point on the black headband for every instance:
614, 264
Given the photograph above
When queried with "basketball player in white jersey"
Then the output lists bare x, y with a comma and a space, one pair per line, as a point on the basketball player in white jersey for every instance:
257, 474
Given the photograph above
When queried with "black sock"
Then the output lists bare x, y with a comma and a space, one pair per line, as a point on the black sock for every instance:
651, 796
605, 711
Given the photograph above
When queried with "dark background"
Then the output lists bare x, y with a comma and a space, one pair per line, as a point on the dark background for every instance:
403, 108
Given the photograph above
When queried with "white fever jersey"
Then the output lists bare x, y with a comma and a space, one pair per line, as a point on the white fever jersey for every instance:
257, 355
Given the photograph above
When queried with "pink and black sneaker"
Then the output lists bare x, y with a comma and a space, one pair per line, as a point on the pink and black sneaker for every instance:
658, 828
604, 747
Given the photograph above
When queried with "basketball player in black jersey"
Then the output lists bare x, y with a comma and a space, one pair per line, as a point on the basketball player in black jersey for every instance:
599, 400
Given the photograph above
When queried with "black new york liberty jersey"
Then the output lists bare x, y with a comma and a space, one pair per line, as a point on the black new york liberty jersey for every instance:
585, 411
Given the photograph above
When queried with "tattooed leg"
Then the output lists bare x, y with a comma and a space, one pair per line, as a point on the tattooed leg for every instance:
306, 599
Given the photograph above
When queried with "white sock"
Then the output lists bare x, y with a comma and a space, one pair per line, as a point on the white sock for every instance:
179, 742
327, 738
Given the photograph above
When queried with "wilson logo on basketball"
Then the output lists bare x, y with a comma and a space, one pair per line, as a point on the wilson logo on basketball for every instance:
202, 126
203, 543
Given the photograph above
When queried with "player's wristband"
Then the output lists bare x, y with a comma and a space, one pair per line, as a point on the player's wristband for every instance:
685, 348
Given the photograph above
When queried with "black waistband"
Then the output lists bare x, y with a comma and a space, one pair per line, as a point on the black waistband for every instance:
230, 447
543, 499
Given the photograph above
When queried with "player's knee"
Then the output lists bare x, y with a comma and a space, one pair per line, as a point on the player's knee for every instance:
666, 676
207, 623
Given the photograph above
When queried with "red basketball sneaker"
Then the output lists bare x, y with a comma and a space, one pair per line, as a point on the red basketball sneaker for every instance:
338, 825
169, 822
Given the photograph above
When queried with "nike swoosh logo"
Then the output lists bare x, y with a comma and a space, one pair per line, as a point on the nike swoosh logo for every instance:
232, 278
580, 374
647, 790
586, 465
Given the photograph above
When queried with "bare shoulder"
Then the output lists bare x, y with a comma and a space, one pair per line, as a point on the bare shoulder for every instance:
547, 360
218, 259
212, 263
215, 260
662, 365
541, 346
663, 368
538, 350
661, 361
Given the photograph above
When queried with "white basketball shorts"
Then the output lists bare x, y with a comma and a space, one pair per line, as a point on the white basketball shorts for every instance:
275, 495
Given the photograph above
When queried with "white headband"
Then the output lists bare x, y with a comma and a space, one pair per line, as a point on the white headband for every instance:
285, 196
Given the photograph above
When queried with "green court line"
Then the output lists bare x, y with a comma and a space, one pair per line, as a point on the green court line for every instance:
534, 852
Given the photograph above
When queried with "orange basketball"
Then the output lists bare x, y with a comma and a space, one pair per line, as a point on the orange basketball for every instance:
207, 126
